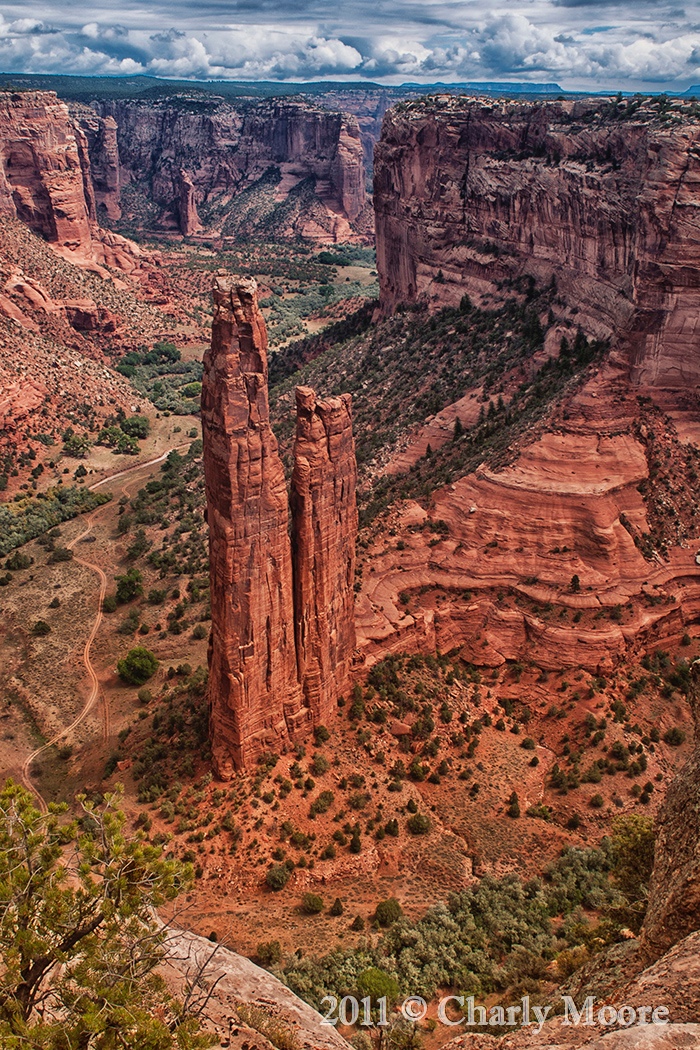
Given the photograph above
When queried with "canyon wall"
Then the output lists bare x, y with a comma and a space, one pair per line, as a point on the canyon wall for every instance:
45, 182
272, 147
41, 177
282, 625
471, 194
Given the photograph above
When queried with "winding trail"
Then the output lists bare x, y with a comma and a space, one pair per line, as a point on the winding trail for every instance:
95, 691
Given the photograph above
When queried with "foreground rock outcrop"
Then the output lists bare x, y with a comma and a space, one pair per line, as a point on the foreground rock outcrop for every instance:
282, 629
187, 161
193, 960
473, 194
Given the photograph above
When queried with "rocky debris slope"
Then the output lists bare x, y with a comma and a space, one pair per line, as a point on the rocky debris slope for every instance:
43, 182
267, 148
472, 194
262, 689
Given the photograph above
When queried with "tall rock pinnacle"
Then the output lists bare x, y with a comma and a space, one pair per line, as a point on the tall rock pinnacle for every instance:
282, 627
254, 693
324, 528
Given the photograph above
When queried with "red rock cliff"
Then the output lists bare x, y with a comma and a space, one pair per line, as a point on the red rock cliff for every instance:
268, 682
324, 516
46, 182
41, 179
472, 193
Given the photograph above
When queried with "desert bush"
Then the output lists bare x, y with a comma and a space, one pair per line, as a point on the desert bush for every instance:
277, 877
312, 904
138, 666
388, 912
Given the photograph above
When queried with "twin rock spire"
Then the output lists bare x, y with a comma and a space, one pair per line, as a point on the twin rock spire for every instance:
282, 607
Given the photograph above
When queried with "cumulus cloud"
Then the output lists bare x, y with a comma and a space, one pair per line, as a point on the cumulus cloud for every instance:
595, 44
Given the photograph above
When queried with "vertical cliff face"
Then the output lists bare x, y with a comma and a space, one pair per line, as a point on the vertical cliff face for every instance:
324, 517
41, 178
674, 894
103, 160
267, 681
226, 148
470, 194
255, 697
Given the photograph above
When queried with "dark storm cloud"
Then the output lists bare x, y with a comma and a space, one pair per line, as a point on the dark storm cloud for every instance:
581, 43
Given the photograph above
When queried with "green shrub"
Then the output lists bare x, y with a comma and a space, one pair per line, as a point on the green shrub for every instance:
597, 801
336, 907
388, 912
674, 737
322, 803
319, 765
418, 824
129, 586
18, 561
269, 953
41, 629
138, 666
513, 805
60, 554
311, 904
109, 603
199, 632
358, 923
277, 877
136, 427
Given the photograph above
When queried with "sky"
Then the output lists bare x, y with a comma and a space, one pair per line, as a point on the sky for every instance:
595, 45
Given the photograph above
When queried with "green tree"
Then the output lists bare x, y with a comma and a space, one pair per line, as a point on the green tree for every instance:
311, 904
388, 912
377, 984
136, 427
78, 939
138, 666
633, 845
277, 877
129, 586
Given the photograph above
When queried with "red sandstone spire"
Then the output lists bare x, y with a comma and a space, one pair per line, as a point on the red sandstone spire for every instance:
254, 694
324, 528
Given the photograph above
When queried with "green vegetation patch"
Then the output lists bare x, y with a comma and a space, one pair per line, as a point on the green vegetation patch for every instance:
31, 515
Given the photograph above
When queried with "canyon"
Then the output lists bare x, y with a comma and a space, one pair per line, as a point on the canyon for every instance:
560, 574
282, 613
205, 165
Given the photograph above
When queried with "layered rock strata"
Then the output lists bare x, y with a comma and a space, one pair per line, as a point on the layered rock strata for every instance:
324, 518
472, 194
226, 148
276, 665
